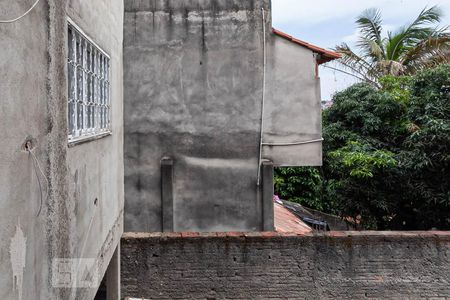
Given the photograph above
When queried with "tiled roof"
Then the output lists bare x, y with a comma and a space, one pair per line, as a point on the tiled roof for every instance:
325, 55
286, 221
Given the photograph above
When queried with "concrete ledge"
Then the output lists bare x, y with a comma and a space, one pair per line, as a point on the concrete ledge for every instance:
445, 235
197, 5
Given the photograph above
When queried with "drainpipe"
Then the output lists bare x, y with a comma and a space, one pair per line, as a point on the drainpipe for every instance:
258, 178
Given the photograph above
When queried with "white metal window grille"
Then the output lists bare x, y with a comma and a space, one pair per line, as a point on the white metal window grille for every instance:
89, 105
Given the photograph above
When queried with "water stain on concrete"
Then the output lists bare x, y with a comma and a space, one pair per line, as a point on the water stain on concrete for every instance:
18, 250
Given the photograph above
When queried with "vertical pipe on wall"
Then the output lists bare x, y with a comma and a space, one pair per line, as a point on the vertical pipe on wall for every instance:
267, 195
167, 195
258, 178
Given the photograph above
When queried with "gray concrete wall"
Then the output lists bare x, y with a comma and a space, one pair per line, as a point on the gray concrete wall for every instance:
23, 113
293, 112
95, 168
339, 265
193, 84
34, 92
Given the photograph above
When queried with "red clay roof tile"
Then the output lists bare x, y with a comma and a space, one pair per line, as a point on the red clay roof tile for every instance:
326, 55
287, 222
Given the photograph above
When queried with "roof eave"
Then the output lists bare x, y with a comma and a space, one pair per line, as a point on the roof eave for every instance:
324, 55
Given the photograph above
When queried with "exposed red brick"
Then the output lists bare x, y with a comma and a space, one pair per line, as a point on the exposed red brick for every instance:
269, 234
293, 234
221, 234
208, 234
345, 265
235, 234
171, 234
252, 234
189, 234
337, 234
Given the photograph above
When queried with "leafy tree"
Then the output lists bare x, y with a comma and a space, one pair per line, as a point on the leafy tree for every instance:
418, 46
301, 185
361, 130
424, 157
386, 155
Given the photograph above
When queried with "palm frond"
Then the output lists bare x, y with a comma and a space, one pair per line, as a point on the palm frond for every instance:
370, 25
420, 44
428, 53
390, 67
415, 32
356, 64
395, 43
432, 15
371, 50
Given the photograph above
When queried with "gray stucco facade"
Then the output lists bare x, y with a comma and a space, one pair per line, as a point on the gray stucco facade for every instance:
186, 64
193, 89
194, 74
293, 112
80, 214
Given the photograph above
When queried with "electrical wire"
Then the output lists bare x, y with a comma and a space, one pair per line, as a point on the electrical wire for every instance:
37, 167
345, 72
294, 143
21, 16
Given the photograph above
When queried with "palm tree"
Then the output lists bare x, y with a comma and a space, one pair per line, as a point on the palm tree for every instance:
410, 48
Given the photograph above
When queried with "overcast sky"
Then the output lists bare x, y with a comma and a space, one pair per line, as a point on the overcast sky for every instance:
327, 23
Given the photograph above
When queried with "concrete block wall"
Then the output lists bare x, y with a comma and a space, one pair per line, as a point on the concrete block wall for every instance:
336, 265
193, 73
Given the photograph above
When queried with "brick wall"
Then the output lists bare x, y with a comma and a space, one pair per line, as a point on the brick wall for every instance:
337, 265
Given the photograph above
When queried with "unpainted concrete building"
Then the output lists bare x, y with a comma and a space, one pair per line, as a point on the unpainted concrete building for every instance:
61, 147
213, 100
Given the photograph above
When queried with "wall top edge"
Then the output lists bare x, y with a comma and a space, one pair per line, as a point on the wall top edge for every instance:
249, 235
172, 6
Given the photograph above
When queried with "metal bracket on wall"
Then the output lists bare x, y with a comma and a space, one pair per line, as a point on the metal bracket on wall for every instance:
167, 194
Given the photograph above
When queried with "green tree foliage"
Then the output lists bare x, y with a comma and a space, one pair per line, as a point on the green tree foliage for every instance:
301, 185
386, 155
425, 154
417, 46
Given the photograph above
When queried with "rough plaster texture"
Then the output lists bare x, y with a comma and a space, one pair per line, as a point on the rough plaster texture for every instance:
292, 112
267, 266
34, 93
193, 83
23, 113
96, 168
193, 93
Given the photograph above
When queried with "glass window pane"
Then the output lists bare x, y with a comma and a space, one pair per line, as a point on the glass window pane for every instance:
89, 110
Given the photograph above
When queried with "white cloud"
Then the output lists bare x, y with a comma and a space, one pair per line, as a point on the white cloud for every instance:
333, 81
352, 38
308, 13
313, 18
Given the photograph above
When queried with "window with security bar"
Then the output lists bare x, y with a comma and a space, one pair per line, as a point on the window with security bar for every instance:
89, 105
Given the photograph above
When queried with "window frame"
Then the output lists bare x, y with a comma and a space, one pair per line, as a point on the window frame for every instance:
90, 134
